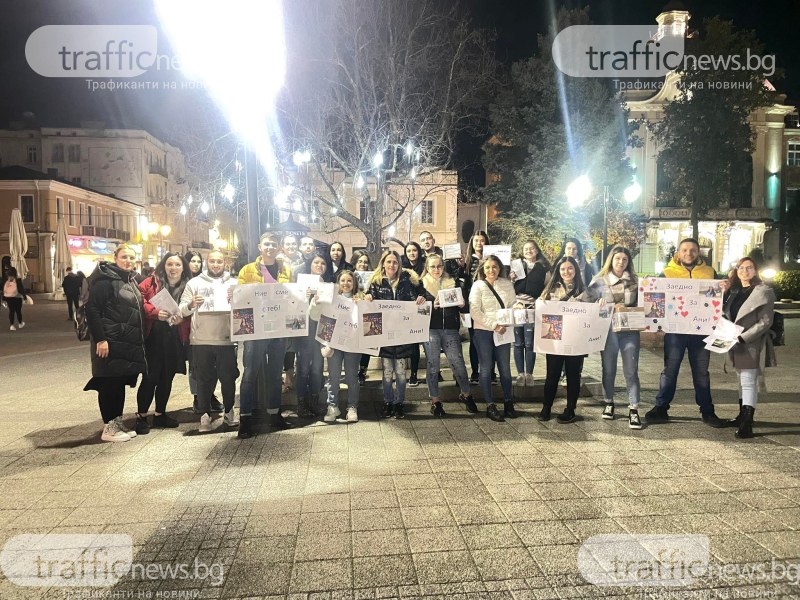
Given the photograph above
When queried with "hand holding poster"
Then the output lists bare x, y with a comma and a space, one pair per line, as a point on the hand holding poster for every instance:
570, 328
680, 305
268, 310
501, 251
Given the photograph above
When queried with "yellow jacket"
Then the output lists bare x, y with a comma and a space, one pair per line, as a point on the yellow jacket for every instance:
675, 269
251, 272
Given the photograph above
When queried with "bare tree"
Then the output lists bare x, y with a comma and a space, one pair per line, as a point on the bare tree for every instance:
378, 92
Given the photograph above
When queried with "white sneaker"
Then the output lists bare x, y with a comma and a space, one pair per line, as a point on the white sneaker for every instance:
521, 379
112, 433
121, 426
333, 412
205, 423
13, 328
529, 380
352, 415
21, 325
230, 418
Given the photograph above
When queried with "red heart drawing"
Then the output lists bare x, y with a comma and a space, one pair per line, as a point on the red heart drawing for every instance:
680, 298
684, 313
715, 302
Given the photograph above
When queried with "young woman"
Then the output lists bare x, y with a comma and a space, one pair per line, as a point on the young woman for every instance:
469, 273
490, 293
750, 303
413, 260
573, 248
309, 355
361, 261
195, 261
166, 340
536, 266
445, 324
565, 286
390, 282
115, 315
338, 258
14, 294
616, 284
347, 287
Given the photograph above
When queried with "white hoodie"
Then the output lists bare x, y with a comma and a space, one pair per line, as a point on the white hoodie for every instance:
208, 329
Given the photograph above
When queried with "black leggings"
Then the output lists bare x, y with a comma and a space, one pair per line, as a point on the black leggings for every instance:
14, 309
365, 361
160, 386
414, 360
288, 361
572, 365
111, 396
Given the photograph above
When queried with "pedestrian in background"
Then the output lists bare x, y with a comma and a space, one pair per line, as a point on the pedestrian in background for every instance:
115, 315
14, 294
71, 284
166, 340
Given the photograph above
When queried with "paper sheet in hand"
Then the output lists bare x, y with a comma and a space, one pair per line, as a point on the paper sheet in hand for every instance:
268, 310
451, 297
216, 298
451, 251
164, 301
725, 336
518, 268
570, 328
507, 337
501, 251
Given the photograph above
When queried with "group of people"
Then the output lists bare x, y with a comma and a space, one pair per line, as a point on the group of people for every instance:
130, 336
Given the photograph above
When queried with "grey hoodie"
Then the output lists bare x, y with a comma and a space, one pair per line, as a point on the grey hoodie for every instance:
208, 329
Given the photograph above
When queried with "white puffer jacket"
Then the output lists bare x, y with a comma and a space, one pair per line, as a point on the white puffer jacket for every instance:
483, 305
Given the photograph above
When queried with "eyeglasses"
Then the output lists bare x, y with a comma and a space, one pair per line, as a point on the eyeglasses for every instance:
269, 244
745, 268
436, 266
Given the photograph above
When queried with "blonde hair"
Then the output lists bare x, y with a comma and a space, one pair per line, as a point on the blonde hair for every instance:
122, 247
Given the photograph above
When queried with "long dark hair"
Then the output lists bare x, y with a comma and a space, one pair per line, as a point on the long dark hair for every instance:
578, 245
736, 283
11, 273
471, 245
344, 253
419, 267
188, 258
556, 278
481, 275
160, 273
327, 274
540, 256
357, 255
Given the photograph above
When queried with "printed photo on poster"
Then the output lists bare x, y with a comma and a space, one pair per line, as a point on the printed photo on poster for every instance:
552, 327
654, 305
243, 321
373, 323
325, 328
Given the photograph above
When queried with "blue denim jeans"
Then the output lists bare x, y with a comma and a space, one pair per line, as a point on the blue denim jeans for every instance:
627, 344
351, 361
487, 352
524, 356
748, 386
394, 368
675, 346
255, 353
308, 373
450, 341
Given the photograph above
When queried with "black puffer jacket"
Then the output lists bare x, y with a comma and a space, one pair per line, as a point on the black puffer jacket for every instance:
115, 313
533, 284
442, 318
408, 288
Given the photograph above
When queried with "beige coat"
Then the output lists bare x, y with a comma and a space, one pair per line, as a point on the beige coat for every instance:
755, 316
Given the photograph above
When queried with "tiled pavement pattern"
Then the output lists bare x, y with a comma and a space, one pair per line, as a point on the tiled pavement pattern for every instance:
455, 508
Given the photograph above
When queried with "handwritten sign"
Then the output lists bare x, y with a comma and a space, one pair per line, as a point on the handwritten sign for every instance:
570, 328
268, 310
680, 305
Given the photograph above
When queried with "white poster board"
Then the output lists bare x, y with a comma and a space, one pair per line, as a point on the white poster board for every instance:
451, 297
338, 324
268, 310
393, 322
216, 297
451, 251
680, 305
501, 251
570, 328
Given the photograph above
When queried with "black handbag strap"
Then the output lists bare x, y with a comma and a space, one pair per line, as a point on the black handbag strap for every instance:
496, 295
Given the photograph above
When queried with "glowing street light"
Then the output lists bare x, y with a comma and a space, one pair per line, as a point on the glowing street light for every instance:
409, 149
183, 210
578, 191
205, 207
229, 192
377, 160
359, 182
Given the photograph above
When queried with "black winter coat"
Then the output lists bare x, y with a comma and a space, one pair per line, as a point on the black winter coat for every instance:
533, 284
115, 313
408, 288
444, 318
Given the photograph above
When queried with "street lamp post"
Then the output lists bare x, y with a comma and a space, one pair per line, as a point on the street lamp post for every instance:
579, 194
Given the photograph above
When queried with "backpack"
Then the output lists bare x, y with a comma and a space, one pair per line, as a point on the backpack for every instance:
10, 289
777, 330
81, 323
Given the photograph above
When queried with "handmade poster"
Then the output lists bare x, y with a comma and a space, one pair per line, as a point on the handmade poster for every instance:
163, 300
268, 310
503, 252
363, 279
216, 297
393, 322
570, 328
725, 336
338, 324
451, 297
507, 337
451, 251
518, 269
628, 318
680, 305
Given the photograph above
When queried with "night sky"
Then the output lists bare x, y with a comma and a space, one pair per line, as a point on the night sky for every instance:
66, 102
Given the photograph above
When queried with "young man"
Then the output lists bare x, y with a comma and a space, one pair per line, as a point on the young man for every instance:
428, 243
267, 268
686, 264
213, 353
72, 290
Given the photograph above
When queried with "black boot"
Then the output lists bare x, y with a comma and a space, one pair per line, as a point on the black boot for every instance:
437, 410
245, 427
568, 416
545, 413
735, 422
388, 410
508, 410
746, 426
196, 406
471, 406
493, 413
216, 405
303, 409
277, 421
